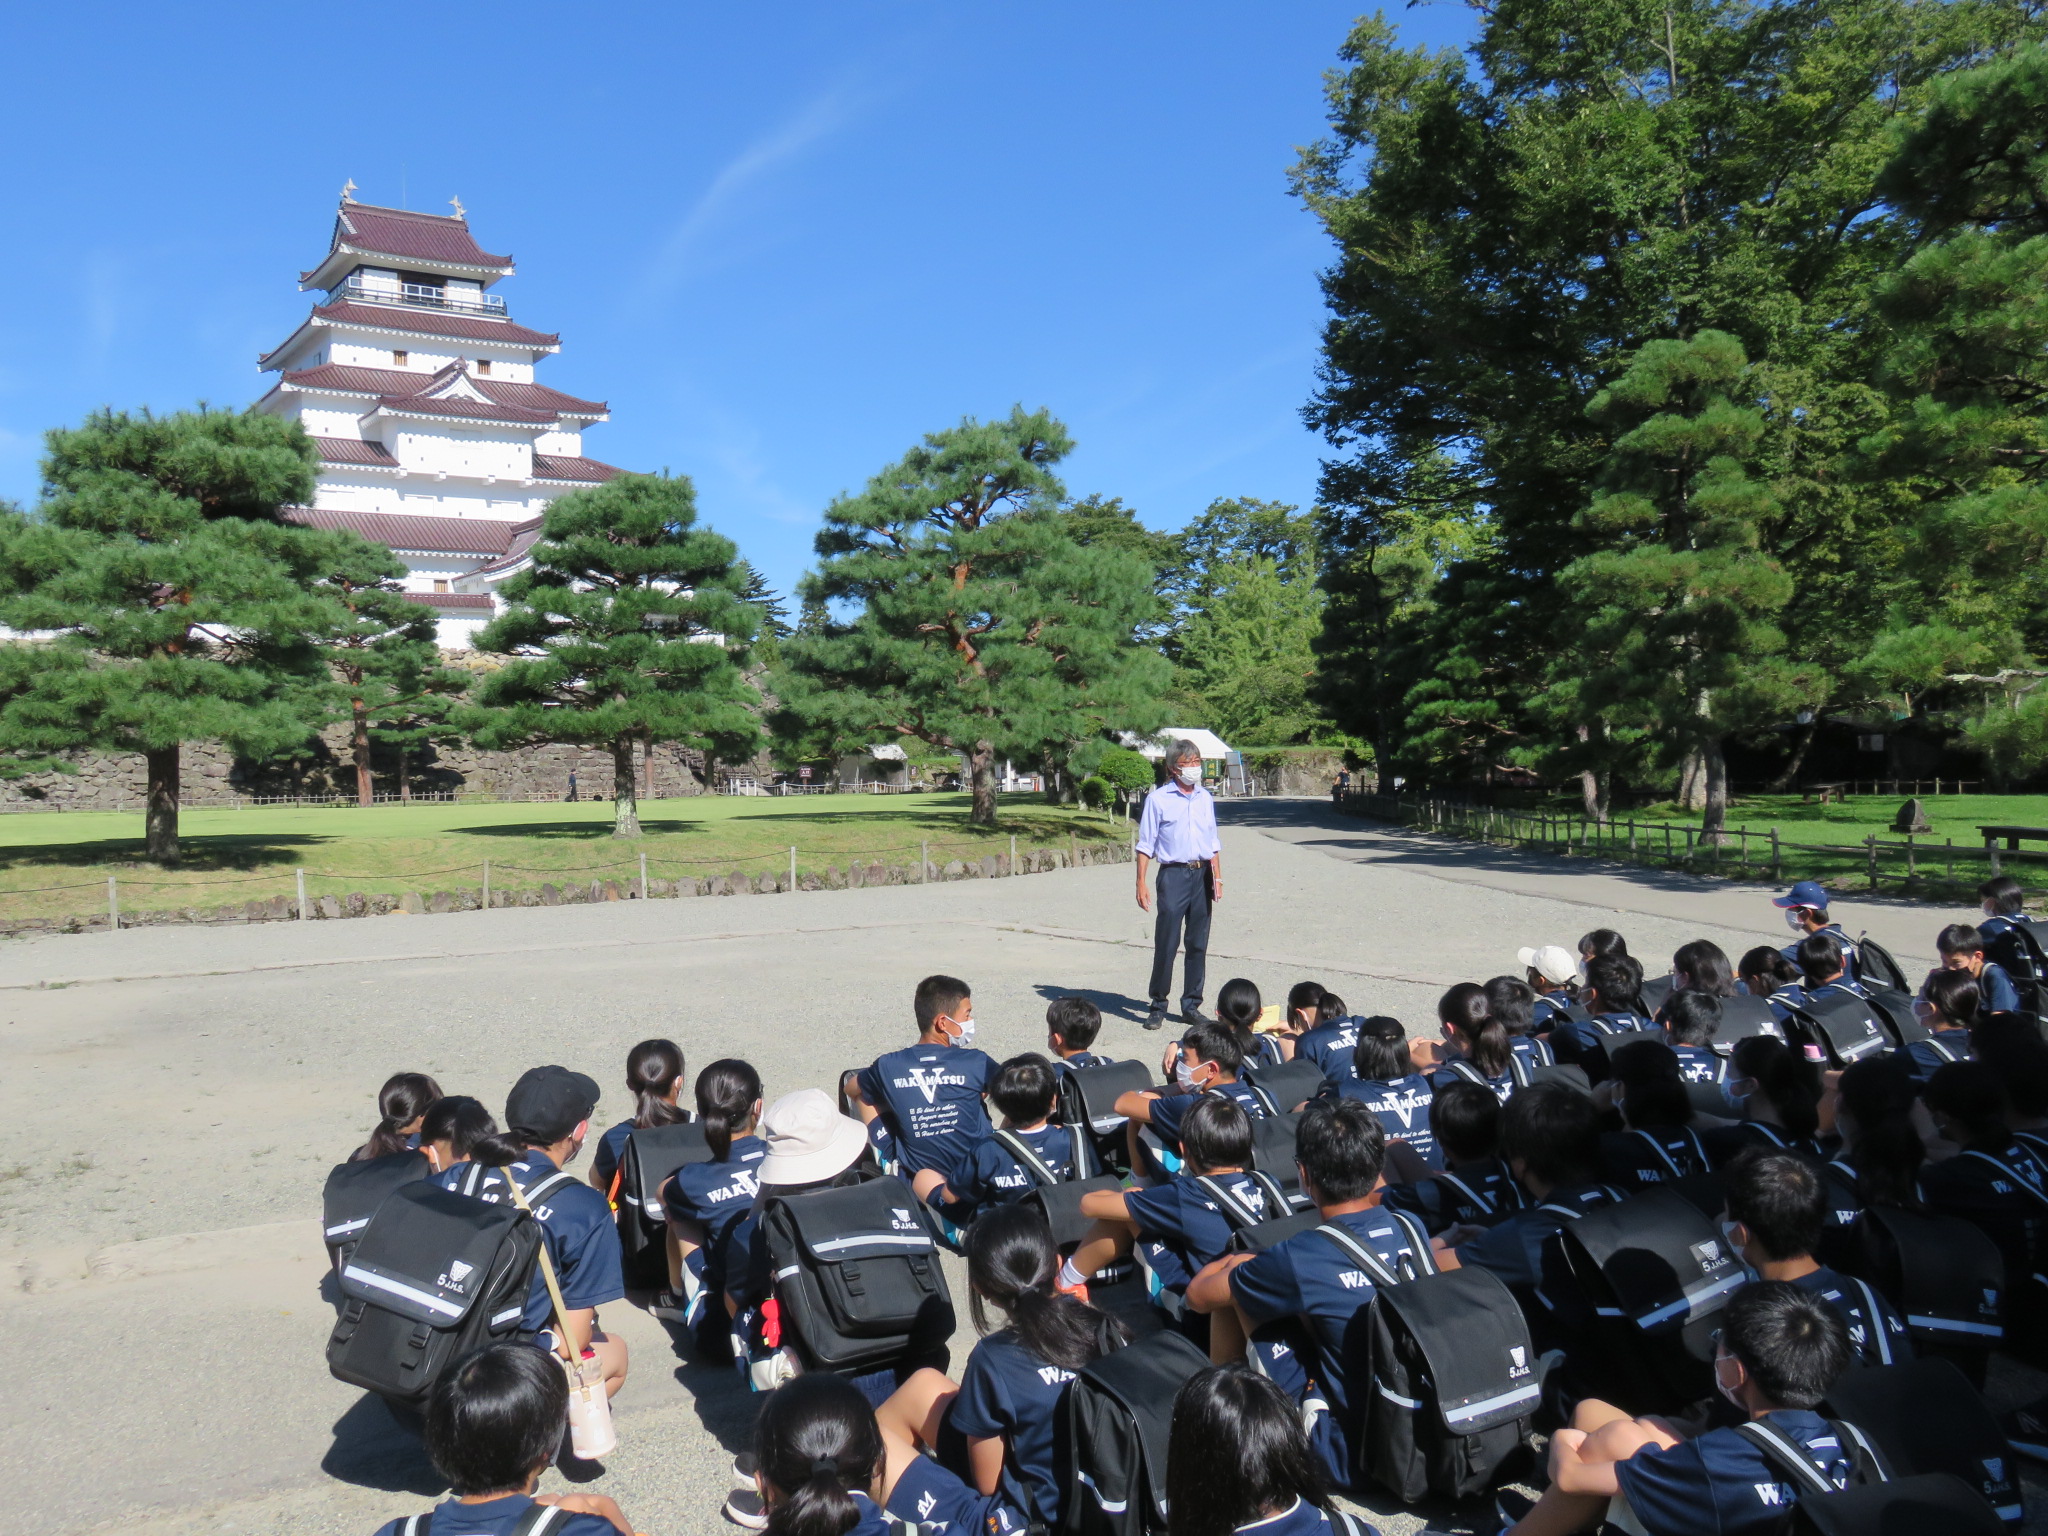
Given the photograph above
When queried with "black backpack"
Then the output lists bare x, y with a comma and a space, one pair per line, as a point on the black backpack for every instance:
1943, 1274
1087, 1097
1741, 1017
537, 1521
857, 1275
1273, 1155
1655, 1273
1846, 1027
1114, 1432
437, 1275
1925, 1417
1894, 1009
1284, 1087
1932, 1504
1875, 967
645, 1163
1815, 1493
1453, 1377
1058, 1198
2022, 950
355, 1190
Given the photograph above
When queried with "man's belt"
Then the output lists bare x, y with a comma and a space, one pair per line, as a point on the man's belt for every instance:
1183, 863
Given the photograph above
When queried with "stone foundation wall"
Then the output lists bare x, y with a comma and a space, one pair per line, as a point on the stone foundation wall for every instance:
277, 909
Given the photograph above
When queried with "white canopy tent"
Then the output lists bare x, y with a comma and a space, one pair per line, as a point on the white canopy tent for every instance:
1208, 743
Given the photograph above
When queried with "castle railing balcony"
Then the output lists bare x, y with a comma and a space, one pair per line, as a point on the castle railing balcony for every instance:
420, 296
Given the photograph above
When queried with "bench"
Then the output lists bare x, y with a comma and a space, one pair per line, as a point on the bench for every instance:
1827, 792
2013, 835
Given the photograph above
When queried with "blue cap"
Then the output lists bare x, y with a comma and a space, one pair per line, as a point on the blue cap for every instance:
1807, 893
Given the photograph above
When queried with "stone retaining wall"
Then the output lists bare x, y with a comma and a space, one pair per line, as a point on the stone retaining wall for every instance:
277, 909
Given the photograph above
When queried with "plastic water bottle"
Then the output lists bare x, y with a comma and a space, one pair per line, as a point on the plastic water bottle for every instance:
591, 1435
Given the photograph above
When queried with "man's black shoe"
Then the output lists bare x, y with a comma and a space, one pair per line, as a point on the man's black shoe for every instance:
1195, 1016
1156, 1019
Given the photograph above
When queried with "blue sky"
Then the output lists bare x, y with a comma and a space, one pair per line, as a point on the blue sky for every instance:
782, 241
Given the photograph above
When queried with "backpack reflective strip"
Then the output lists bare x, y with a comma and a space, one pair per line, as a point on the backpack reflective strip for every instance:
1234, 1210
416, 1525
1693, 1298
1413, 1405
1034, 1165
895, 1239
1108, 1506
426, 1299
1940, 1050
1877, 1328
2011, 1173
1664, 1155
1466, 1190
1785, 1456
347, 1227
1953, 1325
1374, 1266
1529, 1392
507, 1315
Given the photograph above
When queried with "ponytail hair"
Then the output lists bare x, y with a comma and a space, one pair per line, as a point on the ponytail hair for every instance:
402, 1100
1787, 1081
1484, 1038
727, 1092
1012, 1263
1956, 996
461, 1122
1381, 1054
816, 1443
1239, 1005
653, 1068
1237, 1453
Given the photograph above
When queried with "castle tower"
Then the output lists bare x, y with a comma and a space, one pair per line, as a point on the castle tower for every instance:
418, 388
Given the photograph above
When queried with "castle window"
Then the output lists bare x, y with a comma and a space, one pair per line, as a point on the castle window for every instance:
483, 365
400, 358
440, 586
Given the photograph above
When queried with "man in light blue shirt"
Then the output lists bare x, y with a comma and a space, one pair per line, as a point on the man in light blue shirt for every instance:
1178, 833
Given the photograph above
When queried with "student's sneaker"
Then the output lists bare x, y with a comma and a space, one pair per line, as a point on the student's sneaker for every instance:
1078, 1292
743, 1466
2027, 1429
1508, 1508
670, 1307
744, 1506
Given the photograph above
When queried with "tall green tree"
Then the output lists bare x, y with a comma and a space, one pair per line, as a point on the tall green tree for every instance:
1678, 605
754, 589
385, 657
179, 603
979, 625
627, 627
1249, 654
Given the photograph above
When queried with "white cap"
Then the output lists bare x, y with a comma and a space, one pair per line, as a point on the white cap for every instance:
1553, 962
808, 1139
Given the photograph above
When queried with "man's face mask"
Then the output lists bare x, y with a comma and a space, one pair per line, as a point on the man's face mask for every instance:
1189, 774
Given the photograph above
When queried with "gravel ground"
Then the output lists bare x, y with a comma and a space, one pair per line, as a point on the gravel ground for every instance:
176, 1096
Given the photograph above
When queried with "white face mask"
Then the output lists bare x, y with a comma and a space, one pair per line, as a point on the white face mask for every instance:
1189, 774
1733, 1394
1728, 1231
1792, 921
1183, 1073
964, 1031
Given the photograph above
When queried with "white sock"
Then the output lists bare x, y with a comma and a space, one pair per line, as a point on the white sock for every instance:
1070, 1276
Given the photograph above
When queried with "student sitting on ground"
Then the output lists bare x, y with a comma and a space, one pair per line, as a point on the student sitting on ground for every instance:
1602, 944
1659, 1144
404, 1097
1475, 1189
1776, 1094
1332, 1035
1961, 948
1553, 974
1777, 1210
1297, 1301
1614, 1002
450, 1130
547, 1118
493, 1426
1779, 1352
1550, 1139
2003, 901
1996, 1182
923, 1104
1238, 1461
1071, 1027
1765, 972
824, 1465
1823, 969
1208, 1063
2011, 1044
1701, 966
1239, 1005
1010, 1396
1181, 1225
1884, 1131
1476, 1045
1691, 1020
1948, 1005
1385, 1081
1514, 1004
704, 1202
654, 1077
1022, 1092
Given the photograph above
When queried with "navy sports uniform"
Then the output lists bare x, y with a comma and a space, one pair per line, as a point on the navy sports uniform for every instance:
1725, 1141
497, 1517
1721, 1484
1876, 1331
941, 1504
1167, 1111
1700, 1064
1850, 966
1182, 1227
2001, 1189
931, 1096
1578, 1041
1401, 1105
1302, 1518
1941, 1047
1331, 1046
1549, 1008
993, 1175
1476, 1194
1006, 1390
1311, 1283
1456, 1069
575, 1223
1080, 1061
715, 1196
611, 1146
1638, 1159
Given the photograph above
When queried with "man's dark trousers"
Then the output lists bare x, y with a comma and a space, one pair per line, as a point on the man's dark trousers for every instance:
1181, 900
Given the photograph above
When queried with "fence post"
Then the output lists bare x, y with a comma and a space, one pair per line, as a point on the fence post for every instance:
1745, 853
792, 865
1013, 853
643, 876
1870, 843
1992, 849
1631, 837
1777, 872
487, 883
1073, 850
1949, 862
113, 906
303, 913
1910, 871
924, 862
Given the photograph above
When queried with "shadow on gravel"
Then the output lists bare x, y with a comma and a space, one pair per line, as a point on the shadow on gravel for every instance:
376, 1446
1113, 1004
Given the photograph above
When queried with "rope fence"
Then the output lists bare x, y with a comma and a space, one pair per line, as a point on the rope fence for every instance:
1908, 865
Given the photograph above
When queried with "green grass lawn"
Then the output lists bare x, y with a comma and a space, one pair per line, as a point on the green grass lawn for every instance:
57, 864
1807, 821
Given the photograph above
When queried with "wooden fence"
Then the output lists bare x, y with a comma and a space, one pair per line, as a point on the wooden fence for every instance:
1907, 864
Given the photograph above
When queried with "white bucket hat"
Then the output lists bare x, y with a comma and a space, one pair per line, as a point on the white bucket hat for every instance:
1553, 962
808, 1139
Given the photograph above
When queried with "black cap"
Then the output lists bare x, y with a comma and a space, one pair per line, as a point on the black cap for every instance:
547, 1103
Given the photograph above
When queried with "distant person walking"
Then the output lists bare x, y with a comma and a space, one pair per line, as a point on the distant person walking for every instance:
572, 783
1177, 831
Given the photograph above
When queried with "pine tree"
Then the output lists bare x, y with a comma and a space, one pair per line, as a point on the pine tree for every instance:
385, 658
627, 627
754, 589
179, 602
984, 628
